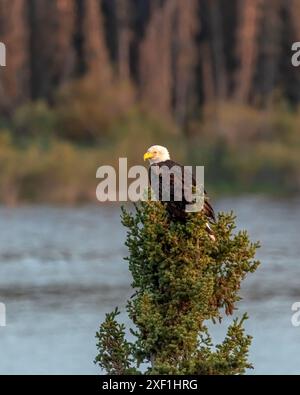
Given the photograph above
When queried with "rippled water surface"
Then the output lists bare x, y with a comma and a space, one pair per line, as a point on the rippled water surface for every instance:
61, 269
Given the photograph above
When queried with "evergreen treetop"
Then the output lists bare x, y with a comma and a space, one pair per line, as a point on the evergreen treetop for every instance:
181, 279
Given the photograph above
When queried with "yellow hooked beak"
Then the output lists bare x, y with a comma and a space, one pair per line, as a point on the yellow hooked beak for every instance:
148, 155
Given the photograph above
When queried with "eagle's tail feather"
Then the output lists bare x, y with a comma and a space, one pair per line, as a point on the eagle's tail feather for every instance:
210, 232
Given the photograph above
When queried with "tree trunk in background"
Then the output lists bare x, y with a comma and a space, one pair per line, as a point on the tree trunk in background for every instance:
217, 47
64, 64
14, 78
292, 34
52, 52
207, 77
249, 12
294, 15
124, 38
156, 59
185, 58
270, 49
95, 52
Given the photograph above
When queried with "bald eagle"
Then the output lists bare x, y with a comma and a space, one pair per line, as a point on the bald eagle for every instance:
160, 161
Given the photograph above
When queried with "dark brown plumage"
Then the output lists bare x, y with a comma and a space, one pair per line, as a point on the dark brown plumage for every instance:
177, 208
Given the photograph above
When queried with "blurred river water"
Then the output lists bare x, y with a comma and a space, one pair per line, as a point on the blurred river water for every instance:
62, 269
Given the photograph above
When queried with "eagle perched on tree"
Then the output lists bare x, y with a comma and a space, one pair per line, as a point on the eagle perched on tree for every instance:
160, 164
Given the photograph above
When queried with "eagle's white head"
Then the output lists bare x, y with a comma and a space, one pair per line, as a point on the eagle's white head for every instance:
156, 154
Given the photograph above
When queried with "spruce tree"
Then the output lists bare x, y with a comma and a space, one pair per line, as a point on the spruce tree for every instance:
181, 280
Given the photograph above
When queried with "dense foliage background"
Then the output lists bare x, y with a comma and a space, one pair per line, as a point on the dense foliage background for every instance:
88, 80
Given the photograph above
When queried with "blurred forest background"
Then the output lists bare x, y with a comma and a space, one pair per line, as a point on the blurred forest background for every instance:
88, 81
